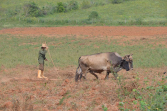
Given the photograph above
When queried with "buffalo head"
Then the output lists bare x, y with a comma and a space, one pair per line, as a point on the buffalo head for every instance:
127, 62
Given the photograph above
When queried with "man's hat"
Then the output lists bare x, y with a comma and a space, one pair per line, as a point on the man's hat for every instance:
44, 45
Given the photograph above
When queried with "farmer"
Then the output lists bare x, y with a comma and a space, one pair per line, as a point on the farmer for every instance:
41, 58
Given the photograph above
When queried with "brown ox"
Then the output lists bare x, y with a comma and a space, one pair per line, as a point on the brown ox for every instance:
111, 62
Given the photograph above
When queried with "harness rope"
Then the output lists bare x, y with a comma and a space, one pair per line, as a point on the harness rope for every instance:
53, 63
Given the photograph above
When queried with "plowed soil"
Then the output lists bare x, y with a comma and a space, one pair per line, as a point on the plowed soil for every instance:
131, 34
21, 90
89, 30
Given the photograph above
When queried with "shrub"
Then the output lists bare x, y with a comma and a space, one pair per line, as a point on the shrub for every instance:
31, 9
139, 21
66, 7
28, 20
93, 15
85, 4
10, 13
73, 5
116, 1
60, 7
48, 9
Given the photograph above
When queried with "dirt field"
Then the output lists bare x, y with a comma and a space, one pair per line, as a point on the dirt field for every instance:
21, 90
122, 33
89, 30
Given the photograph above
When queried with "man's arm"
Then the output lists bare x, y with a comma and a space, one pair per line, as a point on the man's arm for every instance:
46, 51
47, 48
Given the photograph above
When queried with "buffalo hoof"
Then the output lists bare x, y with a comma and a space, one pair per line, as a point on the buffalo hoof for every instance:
106, 78
84, 77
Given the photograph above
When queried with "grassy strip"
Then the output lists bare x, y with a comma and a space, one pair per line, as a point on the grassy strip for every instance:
65, 51
39, 22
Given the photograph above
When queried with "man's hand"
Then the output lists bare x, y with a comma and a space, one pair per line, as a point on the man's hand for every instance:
47, 48
46, 59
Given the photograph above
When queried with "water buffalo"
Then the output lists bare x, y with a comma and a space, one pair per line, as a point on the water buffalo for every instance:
111, 62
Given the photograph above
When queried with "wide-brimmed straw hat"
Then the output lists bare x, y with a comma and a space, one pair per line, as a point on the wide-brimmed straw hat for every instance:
44, 45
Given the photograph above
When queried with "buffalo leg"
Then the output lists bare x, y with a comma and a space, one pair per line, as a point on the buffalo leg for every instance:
107, 74
84, 71
76, 77
94, 74
84, 74
117, 69
115, 75
80, 76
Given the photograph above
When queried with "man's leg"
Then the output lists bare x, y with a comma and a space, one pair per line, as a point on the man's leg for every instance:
39, 74
40, 70
42, 74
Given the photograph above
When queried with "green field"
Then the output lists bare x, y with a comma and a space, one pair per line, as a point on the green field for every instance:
128, 12
65, 51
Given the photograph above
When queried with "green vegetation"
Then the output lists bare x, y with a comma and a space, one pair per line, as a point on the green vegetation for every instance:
150, 98
93, 15
32, 10
116, 1
73, 5
60, 7
111, 12
86, 4
66, 51
64, 97
104, 108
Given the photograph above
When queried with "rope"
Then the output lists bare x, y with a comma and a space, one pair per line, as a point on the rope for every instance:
53, 62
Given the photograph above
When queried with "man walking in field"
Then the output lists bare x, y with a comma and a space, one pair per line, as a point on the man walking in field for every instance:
41, 58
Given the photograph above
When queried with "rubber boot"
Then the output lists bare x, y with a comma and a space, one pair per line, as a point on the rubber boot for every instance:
39, 74
42, 74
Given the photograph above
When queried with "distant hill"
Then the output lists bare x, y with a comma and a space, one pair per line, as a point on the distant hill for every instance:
71, 12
